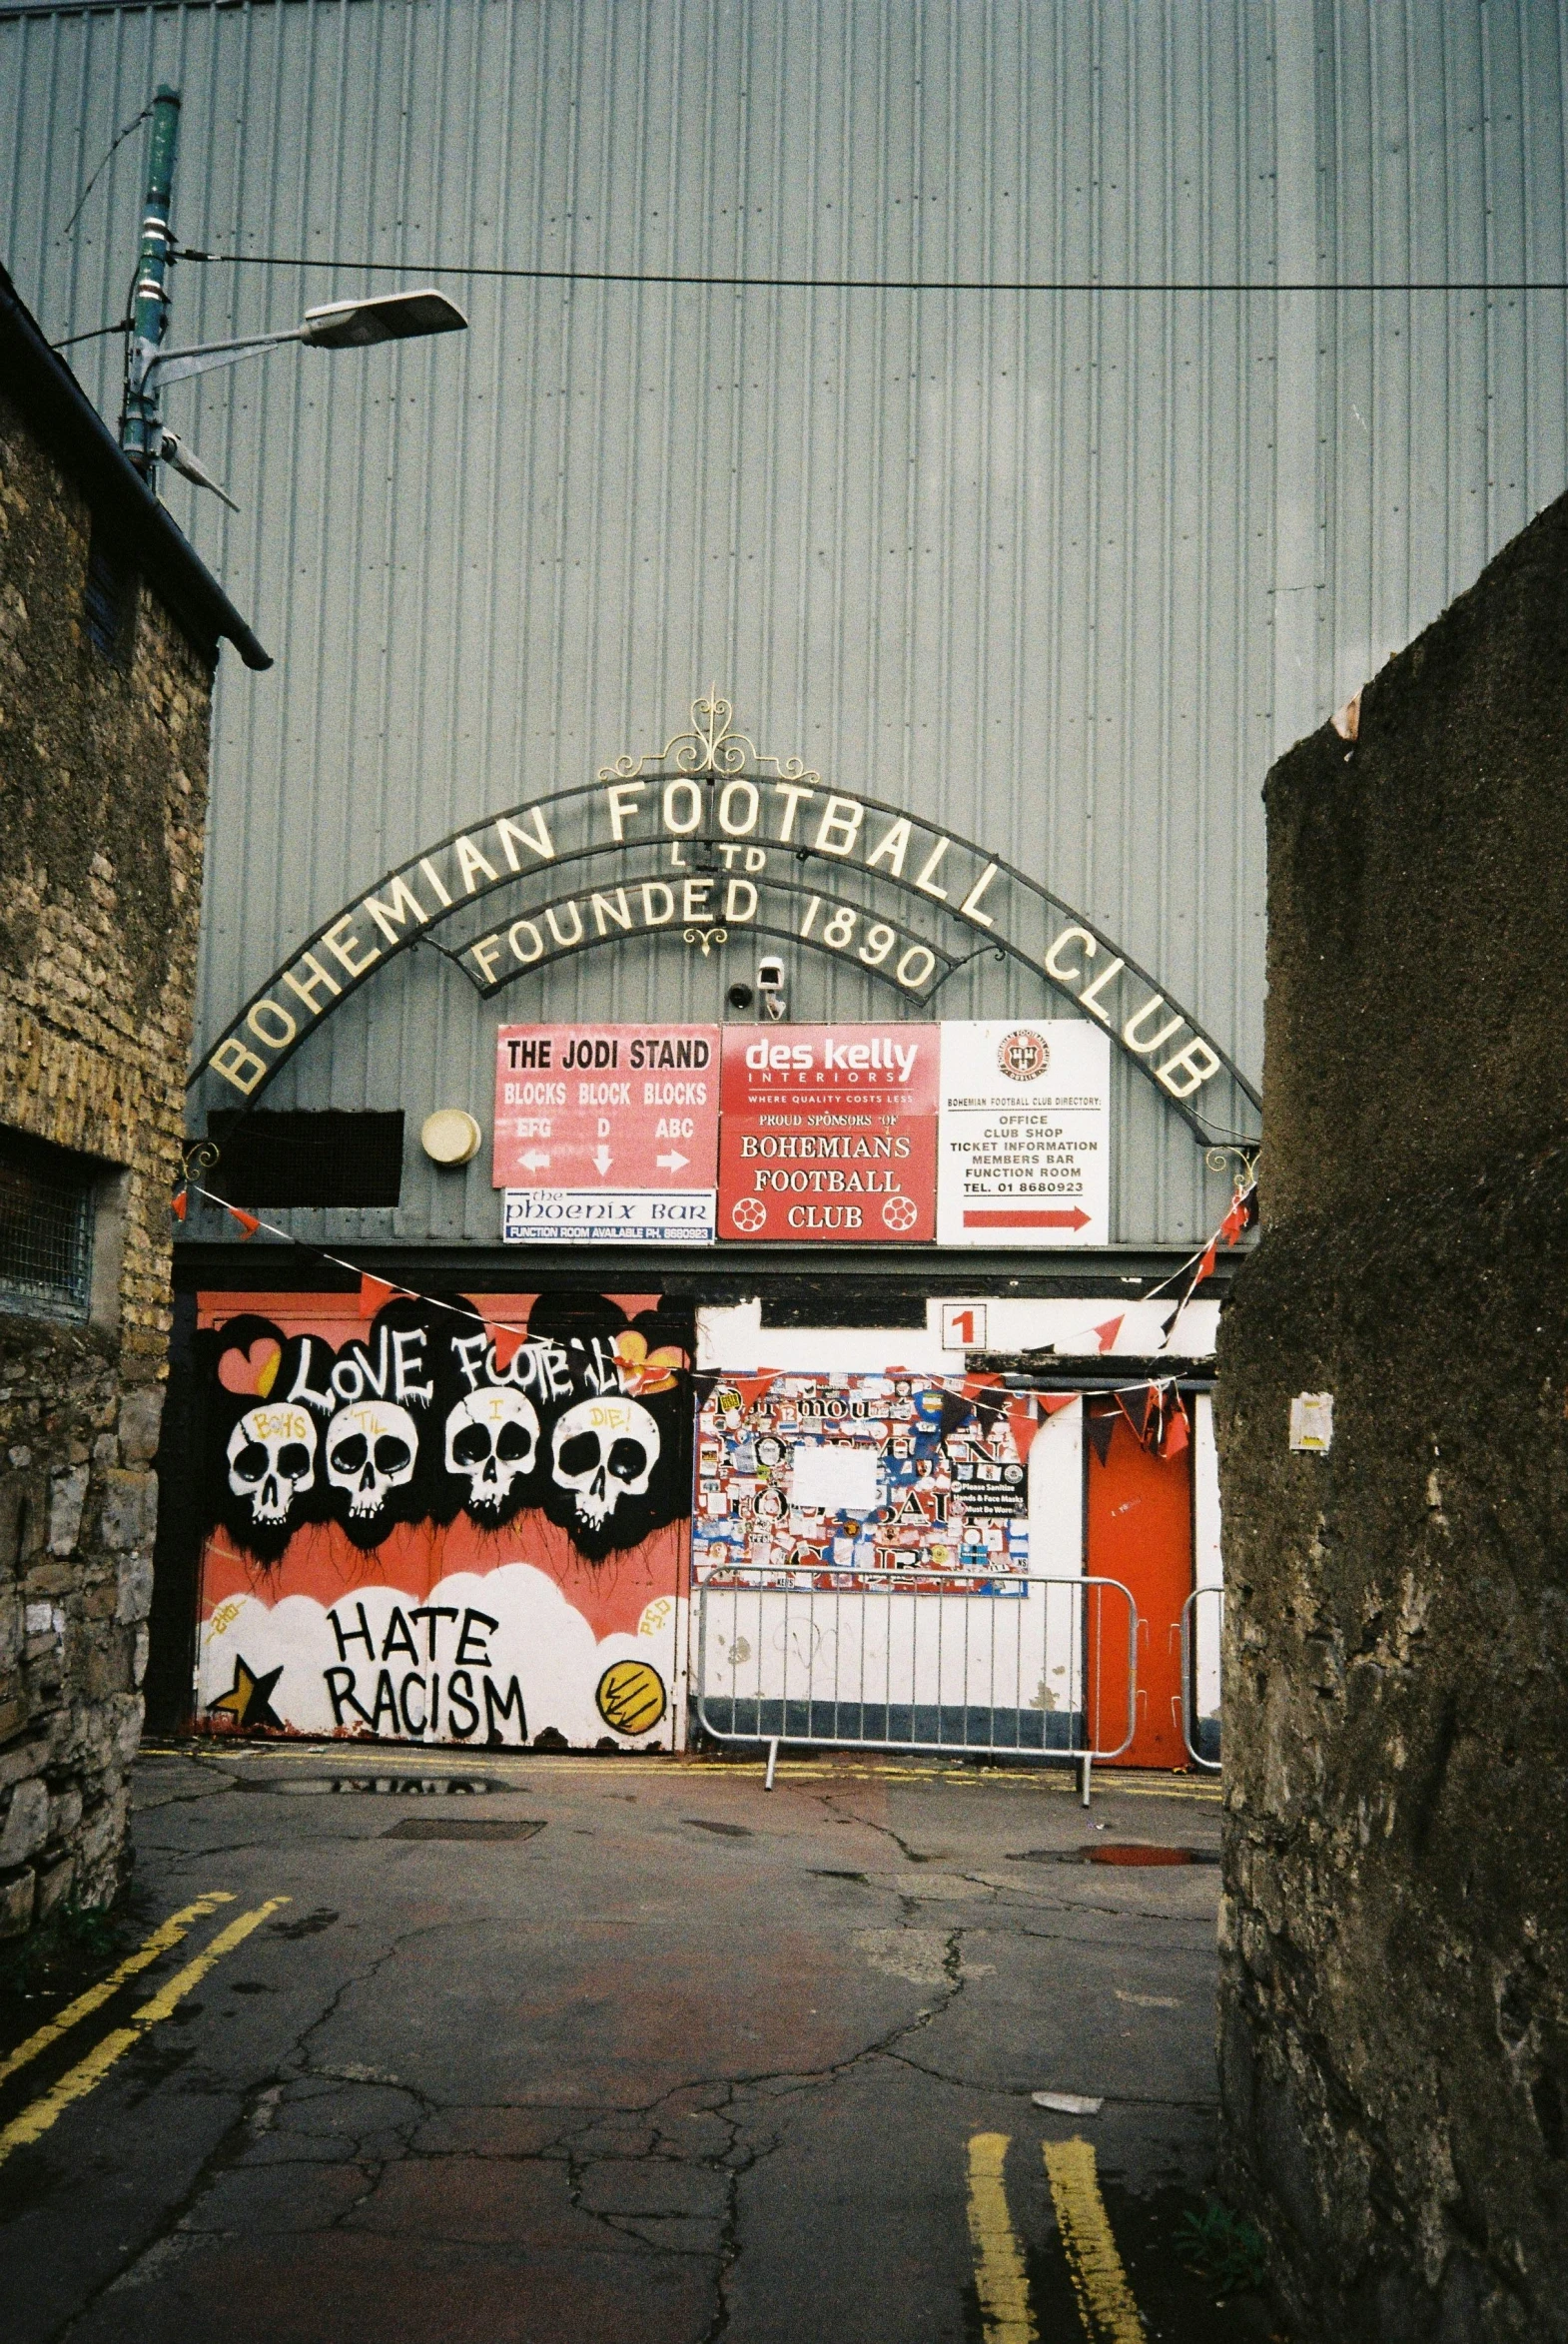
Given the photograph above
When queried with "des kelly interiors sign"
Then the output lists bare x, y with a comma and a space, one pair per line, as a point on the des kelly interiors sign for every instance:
828, 1133
708, 842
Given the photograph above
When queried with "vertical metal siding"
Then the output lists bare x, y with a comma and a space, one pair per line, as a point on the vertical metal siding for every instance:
1066, 570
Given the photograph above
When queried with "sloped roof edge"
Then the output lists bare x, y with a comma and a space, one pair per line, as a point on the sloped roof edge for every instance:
68, 424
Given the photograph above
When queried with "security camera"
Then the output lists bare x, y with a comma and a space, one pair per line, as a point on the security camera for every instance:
741, 996
773, 1004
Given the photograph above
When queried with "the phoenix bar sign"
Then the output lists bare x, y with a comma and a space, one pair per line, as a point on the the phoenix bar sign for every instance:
710, 841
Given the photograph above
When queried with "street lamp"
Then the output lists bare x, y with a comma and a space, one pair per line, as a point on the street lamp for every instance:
384, 317
350, 325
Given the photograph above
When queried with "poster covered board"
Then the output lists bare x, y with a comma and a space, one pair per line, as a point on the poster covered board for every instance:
1025, 1156
829, 1134
839, 1477
606, 1132
462, 1525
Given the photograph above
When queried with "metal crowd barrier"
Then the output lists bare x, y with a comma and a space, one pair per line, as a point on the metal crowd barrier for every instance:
1201, 1638
902, 1660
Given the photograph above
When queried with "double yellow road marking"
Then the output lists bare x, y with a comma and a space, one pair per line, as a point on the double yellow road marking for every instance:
36, 2119
1104, 2300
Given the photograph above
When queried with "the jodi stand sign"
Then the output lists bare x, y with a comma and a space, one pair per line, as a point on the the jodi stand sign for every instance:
828, 1133
606, 1133
434, 1527
1025, 1134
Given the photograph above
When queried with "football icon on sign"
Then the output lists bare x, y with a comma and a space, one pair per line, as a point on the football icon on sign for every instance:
749, 1215
900, 1213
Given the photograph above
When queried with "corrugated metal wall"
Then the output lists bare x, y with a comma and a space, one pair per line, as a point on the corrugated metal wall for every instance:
1016, 561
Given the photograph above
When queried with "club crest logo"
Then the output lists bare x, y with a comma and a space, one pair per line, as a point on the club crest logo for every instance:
1024, 1055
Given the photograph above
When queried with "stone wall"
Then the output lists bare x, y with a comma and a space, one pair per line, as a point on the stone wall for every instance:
103, 782
1394, 1933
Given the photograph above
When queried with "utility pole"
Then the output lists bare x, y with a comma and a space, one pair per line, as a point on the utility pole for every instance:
141, 430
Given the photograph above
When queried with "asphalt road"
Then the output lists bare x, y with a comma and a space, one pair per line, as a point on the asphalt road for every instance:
686, 2061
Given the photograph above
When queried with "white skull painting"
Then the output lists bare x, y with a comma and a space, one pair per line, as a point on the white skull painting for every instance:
272, 1457
492, 1438
604, 1451
371, 1449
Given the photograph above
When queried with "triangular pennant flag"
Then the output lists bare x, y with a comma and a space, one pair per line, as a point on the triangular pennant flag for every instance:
1169, 1320
1109, 1332
1177, 1433
507, 1341
177, 1203
1053, 1403
374, 1294
1100, 1429
1154, 1413
1206, 1267
1234, 1224
249, 1224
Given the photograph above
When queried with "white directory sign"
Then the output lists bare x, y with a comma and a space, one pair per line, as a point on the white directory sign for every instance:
1024, 1141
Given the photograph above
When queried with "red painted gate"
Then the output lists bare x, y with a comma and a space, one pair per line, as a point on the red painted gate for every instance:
1139, 1529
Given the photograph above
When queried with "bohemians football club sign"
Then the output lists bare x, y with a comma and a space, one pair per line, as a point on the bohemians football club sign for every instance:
708, 842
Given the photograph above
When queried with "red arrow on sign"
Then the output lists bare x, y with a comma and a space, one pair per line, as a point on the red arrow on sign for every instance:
1027, 1217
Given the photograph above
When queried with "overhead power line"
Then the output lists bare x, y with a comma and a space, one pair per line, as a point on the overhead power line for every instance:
748, 283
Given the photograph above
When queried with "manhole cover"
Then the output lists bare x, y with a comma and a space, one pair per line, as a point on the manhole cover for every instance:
459, 1827
384, 1786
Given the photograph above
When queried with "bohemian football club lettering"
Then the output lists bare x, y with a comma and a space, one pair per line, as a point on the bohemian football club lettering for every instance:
709, 843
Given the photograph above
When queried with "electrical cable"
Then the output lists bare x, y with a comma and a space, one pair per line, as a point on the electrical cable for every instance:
748, 284
119, 139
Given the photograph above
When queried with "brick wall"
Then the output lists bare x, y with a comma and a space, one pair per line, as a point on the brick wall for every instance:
103, 783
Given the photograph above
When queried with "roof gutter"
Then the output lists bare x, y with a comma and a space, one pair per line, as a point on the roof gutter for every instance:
69, 424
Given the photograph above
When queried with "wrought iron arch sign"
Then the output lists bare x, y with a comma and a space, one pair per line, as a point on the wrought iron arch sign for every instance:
708, 840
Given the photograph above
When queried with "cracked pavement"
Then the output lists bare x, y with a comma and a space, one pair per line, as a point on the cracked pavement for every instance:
692, 2061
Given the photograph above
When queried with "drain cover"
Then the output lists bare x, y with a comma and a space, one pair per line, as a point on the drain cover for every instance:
459, 1827
384, 1786
1133, 1853
1116, 1851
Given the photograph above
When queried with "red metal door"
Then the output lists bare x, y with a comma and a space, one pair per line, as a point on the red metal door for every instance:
1138, 1528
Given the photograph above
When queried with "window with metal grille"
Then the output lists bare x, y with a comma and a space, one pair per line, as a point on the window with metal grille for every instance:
301, 1158
46, 1228
109, 599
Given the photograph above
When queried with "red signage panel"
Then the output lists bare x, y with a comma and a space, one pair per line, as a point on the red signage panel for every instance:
829, 1134
606, 1107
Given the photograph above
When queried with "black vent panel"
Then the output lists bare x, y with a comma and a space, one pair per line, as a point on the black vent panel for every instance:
301, 1158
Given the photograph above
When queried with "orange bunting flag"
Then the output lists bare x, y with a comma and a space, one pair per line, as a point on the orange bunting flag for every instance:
177, 1203
249, 1224
1109, 1332
1206, 1267
509, 1341
374, 1294
1178, 1433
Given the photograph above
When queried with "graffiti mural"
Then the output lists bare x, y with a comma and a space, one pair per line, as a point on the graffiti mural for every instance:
460, 1524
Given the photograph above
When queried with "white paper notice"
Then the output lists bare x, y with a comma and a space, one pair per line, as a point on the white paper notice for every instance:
1312, 1421
834, 1478
1024, 1151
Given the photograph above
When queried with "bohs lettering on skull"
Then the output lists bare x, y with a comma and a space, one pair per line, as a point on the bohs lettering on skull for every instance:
424, 1417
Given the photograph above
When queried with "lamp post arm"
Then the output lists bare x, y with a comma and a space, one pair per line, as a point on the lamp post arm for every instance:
160, 367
